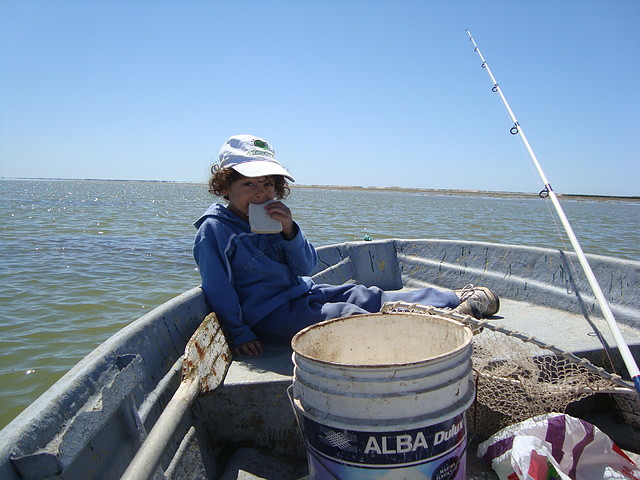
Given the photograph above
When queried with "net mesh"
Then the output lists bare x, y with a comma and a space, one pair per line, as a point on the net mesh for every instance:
518, 377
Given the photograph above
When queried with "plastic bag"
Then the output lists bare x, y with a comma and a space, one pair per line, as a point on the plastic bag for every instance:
556, 447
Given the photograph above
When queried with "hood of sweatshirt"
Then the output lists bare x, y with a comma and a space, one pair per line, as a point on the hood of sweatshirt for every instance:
220, 212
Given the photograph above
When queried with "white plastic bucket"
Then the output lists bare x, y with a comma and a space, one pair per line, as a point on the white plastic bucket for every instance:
383, 396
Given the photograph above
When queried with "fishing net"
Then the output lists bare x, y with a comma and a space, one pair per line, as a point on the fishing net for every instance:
518, 377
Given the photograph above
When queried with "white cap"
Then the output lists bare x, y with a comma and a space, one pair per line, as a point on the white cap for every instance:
251, 156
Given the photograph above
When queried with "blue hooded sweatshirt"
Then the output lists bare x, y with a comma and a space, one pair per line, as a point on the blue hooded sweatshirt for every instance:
246, 275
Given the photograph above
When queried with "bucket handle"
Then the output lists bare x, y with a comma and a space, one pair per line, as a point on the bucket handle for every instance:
299, 423
295, 412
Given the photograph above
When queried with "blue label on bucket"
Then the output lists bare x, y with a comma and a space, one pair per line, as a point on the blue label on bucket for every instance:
435, 452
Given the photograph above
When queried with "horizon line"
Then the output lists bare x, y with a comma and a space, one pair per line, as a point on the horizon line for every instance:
394, 188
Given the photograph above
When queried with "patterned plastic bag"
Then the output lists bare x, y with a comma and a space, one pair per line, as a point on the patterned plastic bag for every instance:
556, 447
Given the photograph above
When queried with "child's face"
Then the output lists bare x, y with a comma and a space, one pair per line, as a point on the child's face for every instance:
248, 190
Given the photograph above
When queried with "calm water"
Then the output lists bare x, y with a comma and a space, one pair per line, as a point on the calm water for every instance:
82, 259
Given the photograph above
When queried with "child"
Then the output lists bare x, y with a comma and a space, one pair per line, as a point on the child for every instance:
258, 284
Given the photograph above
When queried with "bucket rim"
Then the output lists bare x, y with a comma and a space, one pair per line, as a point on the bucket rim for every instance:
466, 344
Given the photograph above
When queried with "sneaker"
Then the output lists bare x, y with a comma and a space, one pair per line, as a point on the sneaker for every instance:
479, 302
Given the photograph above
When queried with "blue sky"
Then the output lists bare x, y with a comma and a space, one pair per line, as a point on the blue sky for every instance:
376, 93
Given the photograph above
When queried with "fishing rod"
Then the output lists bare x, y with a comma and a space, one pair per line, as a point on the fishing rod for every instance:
517, 129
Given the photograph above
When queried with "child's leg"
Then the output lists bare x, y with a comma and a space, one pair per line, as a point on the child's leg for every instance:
424, 296
372, 298
322, 302
367, 298
325, 302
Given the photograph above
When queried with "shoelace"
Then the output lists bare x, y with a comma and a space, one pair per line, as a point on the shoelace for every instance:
466, 292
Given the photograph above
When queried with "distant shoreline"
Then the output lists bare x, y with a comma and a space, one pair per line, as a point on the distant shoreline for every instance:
468, 193
425, 191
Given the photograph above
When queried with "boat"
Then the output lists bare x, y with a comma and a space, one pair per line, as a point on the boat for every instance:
91, 423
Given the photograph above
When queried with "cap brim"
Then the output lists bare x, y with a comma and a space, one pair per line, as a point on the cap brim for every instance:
261, 169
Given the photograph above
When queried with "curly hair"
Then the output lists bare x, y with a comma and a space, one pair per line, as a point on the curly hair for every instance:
222, 178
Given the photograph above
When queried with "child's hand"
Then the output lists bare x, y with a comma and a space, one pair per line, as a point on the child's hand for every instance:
252, 348
279, 211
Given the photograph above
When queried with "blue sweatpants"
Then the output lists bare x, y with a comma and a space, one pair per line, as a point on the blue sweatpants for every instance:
324, 302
